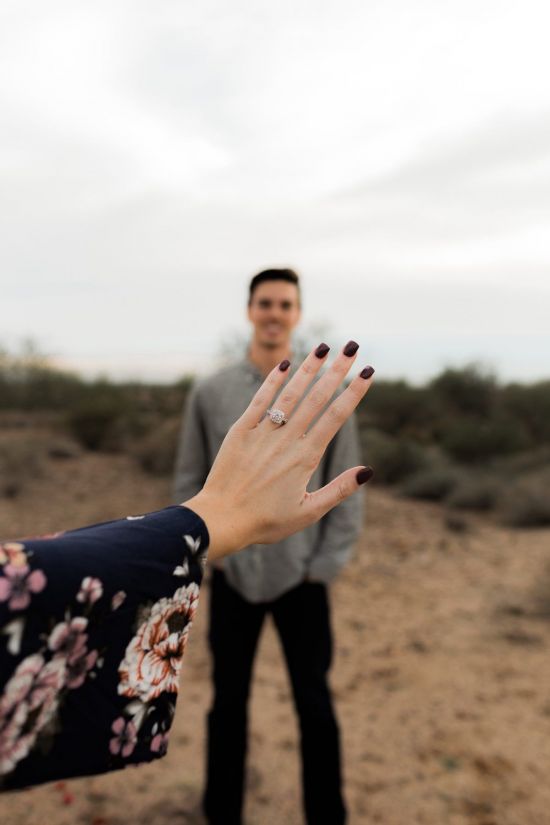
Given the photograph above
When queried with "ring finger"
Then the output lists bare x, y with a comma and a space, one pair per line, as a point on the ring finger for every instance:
293, 391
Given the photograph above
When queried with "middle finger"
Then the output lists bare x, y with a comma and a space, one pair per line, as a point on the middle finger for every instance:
321, 393
294, 390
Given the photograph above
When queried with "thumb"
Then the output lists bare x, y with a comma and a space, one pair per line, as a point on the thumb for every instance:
339, 489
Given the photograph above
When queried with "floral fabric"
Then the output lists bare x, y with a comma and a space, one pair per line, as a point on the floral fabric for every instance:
93, 627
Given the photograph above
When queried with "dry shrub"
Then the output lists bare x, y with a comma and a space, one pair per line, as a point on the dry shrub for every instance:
526, 504
156, 453
474, 440
94, 421
21, 460
433, 484
394, 458
475, 494
63, 449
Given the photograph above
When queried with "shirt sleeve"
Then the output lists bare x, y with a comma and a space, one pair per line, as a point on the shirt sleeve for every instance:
192, 462
93, 627
342, 525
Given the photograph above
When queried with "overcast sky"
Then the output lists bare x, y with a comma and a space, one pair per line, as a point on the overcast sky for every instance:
155, 155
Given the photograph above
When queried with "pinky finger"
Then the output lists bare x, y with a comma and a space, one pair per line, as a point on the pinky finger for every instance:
261, 401
338, 490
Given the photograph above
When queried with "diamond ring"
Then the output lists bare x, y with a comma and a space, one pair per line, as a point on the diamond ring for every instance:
277, 416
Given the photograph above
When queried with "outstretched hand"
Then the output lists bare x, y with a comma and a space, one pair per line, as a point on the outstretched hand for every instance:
256, 490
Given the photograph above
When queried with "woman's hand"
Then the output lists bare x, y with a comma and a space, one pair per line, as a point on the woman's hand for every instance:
256, 490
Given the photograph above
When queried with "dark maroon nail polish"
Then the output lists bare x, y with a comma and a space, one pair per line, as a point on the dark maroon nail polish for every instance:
284, 365
351, 348
364, 475
367, 372
322, 350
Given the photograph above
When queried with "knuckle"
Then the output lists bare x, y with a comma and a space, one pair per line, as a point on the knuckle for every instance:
287, 398
336, 413
310, 460
308, 368
342, 491
358, 388
317, 398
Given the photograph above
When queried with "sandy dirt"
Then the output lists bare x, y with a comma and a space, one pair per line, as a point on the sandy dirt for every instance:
441, 675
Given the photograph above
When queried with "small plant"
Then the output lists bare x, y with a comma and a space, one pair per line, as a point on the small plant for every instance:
467, 391
21, 461
431, 485
156, 453
394, 458
474, 494
527, 504
93, 422
474, 440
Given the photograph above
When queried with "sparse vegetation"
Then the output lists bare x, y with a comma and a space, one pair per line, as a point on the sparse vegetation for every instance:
156, 452
463, 439
474, 494
21, 459
526, 504
434, 484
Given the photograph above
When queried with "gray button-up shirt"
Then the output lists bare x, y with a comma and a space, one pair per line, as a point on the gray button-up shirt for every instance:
262, 573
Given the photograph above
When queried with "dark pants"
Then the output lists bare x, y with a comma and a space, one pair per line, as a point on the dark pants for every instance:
302, 620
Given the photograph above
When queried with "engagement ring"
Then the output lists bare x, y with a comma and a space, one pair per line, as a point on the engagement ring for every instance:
277, 416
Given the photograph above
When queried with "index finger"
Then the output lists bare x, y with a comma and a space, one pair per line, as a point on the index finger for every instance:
320, 394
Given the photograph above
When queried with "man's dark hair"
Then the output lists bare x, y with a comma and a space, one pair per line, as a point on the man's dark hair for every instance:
287, 275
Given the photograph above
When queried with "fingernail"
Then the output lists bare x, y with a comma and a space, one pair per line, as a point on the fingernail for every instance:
322, 350
351, 348
284, 365
364, 475
367, 372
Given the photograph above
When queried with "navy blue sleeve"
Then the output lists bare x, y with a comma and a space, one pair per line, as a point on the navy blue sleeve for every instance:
93, 627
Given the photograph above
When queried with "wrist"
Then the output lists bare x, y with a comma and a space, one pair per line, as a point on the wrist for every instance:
226, 531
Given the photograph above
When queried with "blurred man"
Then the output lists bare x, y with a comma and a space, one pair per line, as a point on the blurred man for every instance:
288, 580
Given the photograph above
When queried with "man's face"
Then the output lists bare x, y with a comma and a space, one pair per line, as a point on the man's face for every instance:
274, 311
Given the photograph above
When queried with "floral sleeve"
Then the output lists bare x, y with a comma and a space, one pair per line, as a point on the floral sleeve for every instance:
93, 627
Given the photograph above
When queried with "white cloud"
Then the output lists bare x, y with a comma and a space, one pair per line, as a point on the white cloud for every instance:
157, 155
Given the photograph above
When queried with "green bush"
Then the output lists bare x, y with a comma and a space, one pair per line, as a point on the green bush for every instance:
393, 458
467, 391
396, 408
433, 484
93, 423
531, 406
475, 440
528, 461
474, 494
29, 381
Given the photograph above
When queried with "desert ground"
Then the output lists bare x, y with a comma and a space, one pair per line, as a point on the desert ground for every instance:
441, 674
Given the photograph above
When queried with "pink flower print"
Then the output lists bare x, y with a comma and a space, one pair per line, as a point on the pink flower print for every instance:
153, 658
159, 743
77, 669
90, 590
13, 553
118, 599
126, 737
68, 639
18, 583
29, 702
